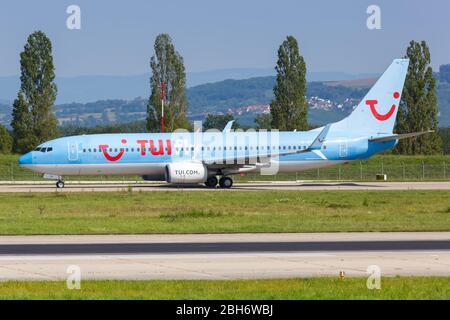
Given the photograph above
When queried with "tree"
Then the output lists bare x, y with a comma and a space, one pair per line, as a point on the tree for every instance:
5, 141
24, 139
445, 136
289, 109
217, 121
264, 121
33, 119
418, 108
168, 67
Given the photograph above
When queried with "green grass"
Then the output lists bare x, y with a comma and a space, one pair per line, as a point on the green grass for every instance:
398, 168
223, 211
302, 288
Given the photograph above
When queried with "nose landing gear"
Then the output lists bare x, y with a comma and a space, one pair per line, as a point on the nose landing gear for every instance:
60, 184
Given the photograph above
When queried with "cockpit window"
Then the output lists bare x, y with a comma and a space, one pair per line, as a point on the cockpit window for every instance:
44, 149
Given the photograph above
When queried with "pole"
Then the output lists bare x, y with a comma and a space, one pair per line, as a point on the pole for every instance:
162, 106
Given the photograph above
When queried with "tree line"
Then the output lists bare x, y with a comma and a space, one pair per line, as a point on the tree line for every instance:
34, 122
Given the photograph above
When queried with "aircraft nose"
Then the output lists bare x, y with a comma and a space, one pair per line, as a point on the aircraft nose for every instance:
25, 159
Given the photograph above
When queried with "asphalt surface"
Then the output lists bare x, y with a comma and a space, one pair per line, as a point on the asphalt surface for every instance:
224, 256
87, 186
221, 247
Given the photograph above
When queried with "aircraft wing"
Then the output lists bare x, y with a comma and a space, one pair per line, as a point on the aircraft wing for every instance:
399, 136
261, 154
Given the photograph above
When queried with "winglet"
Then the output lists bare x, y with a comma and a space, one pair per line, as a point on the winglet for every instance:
228, 126
317, 143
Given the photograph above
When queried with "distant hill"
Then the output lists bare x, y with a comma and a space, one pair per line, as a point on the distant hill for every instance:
90, 88
328, 101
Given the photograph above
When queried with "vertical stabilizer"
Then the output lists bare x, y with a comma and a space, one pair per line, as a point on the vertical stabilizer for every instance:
376, 113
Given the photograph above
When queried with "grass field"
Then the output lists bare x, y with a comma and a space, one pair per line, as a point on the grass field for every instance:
302, 288
398, 168
223, 211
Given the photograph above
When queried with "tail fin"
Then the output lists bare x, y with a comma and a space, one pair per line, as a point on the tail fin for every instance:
376, 113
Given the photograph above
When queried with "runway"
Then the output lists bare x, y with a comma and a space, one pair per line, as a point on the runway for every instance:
86, 186
224, 256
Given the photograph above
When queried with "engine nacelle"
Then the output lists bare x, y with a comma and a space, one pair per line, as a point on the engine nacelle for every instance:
186, 172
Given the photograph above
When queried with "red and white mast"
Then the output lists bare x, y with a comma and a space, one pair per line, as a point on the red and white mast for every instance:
162, 106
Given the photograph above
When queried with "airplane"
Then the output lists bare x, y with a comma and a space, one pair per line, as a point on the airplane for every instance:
202, 157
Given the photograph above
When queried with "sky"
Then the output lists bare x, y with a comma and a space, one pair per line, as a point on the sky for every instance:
116, 37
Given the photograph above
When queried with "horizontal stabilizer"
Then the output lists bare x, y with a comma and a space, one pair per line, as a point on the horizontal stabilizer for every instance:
399, 136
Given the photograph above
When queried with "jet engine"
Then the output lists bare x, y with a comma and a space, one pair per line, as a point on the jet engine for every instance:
186, 172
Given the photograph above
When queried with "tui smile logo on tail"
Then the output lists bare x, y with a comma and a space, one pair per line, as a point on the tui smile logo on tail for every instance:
387, 115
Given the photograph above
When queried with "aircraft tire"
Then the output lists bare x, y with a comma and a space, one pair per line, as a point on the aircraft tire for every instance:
211, 182
60, 184
225, 182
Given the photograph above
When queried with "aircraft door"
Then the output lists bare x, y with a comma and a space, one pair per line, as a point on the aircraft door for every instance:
72, 151
343, 149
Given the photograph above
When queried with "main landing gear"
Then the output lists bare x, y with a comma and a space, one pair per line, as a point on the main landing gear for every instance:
60, 184
224, 182
211, 182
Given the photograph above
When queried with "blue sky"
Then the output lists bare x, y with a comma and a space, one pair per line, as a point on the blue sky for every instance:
116, 37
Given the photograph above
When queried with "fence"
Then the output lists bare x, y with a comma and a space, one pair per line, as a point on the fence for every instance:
357, 171
362, 172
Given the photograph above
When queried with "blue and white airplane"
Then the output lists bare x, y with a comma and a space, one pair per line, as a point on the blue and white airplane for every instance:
200, 157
